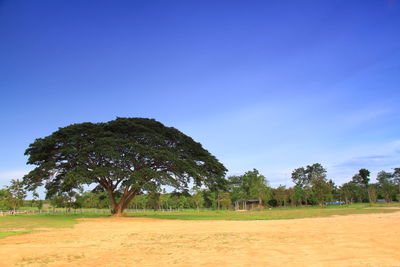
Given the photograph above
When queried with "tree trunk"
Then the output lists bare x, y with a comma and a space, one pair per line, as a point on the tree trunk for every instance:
119, 207
369, 194
118, 210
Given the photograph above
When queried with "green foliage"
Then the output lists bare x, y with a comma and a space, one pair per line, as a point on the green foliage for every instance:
36, 202
5, 197
387, 186
251, 185
347, 192
362, 178
280, 195
322, 191
13, 196
124, 157
314, 183
224, 200
212, 198
153, 200
198, 198
39, 221
299, 195
92, 199
139, 202
372, 194
304, 176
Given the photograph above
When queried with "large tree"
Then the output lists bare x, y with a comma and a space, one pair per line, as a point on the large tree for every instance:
123, 157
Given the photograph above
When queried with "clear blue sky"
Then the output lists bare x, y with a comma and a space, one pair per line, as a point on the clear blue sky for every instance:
272, 85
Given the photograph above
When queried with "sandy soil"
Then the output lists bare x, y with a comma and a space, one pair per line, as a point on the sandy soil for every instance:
355, 240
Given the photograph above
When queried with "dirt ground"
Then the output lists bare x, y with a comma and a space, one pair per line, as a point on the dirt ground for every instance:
354, 240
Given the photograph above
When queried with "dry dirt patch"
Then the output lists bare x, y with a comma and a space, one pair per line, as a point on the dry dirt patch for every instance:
383, 208
355, 240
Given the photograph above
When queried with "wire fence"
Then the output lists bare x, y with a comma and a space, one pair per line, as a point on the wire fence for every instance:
86, 211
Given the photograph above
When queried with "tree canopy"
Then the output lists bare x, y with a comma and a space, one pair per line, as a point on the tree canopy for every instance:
313, 181
252, 184
123, 157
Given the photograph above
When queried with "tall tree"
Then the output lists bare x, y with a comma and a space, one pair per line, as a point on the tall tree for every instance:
396, 178
303, 176
362, 178
313, 179
386, 185
123, 157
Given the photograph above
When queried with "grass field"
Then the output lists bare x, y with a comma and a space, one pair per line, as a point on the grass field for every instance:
273, 214
353, 240
21, 224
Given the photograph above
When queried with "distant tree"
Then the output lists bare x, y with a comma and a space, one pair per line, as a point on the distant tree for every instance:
59, 201
224, 200
212, 198
184, 202
165, 200
153, 200
299, 195
280, 195
362, 179
36, 201
300, 177
348, 192
94, 199
396, 179
322, 190
291, 196
312, 180
386, 185
198, 198
335, 190
252, 184
124, 157
5, 197
16, 194
140, 201
372, 192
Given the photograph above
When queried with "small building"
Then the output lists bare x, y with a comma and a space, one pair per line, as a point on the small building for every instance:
246, 204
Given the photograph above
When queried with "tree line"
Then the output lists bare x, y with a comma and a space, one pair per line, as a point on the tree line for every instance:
130, 160
311, 187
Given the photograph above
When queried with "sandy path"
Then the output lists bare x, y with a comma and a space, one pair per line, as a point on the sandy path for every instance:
355, 240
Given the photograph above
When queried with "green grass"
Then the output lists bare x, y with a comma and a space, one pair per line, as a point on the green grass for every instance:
10, 233
21, 224
273, 214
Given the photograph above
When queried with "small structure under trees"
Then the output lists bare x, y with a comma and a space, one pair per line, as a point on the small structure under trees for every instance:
247, 204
